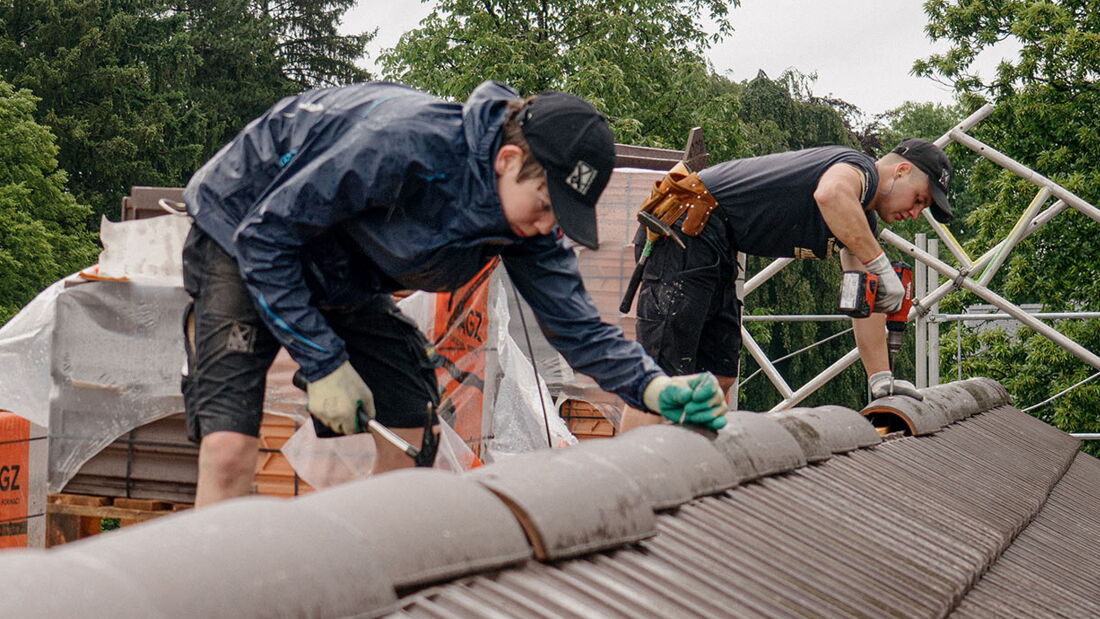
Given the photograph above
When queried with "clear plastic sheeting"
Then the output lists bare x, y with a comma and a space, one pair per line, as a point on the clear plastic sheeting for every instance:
454, 455
522, 407
325, 462
91, 361
25, 340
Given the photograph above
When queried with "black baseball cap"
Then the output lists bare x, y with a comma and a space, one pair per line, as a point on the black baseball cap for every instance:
574, 145
932, 161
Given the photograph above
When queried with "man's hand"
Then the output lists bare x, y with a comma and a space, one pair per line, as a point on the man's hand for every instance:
890, 291
883, 384
694, 398
335, 399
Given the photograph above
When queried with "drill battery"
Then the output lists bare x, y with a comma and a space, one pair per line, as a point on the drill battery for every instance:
857, 293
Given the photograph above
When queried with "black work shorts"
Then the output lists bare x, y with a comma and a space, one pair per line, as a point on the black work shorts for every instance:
228, 361
689, 317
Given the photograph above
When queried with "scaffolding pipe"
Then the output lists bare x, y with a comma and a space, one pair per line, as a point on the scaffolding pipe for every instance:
1002, 316
1025, 173
939, 293
966, 124
796, 318
932, 326
989, 296
949, 239
1015, 236
920, 354
765, 364
766, 273
830, 372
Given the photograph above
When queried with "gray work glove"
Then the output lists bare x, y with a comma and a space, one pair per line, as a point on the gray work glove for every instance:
694, 398
890, 291
882, 384
336, 398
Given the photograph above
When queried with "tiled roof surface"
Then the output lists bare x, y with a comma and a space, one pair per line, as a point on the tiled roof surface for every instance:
802, 513
916, 527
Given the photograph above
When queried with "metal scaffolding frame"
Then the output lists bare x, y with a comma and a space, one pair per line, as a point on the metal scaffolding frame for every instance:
972, 275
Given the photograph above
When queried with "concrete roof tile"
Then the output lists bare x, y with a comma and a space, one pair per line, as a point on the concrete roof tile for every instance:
663, 480
839, 428
569, 506
691, 453
470, 528
252, 553
761, 442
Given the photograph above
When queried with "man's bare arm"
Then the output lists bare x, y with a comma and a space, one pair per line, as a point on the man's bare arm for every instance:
837, 196
870, 332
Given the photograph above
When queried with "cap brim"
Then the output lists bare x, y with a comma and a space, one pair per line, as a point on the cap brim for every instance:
941, 210
575, 218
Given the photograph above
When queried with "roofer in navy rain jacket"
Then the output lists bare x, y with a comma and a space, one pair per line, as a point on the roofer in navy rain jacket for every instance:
336, 197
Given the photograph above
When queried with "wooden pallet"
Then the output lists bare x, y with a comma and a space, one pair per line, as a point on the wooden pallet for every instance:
71, 517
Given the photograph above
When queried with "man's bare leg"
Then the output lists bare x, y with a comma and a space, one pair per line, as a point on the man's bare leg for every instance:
227, 466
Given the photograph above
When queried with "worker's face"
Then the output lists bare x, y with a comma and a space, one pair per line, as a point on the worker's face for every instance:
904, 195
526, 202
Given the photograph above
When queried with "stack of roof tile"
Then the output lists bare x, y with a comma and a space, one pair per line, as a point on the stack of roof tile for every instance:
804, 512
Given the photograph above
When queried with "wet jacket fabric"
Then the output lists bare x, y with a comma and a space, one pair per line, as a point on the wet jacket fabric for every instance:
339, 194
768, 202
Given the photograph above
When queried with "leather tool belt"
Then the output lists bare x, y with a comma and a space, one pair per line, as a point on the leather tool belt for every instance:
678, 192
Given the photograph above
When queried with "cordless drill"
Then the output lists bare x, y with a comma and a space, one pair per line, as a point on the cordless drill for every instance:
895, 321
858, 290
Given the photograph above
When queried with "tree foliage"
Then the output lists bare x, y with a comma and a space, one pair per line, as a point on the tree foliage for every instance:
638, 62
42, 228
1046, 117
140, 92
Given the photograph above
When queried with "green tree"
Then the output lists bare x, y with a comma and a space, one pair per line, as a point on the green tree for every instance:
1046, 118
140, 92
638, 62
42, 228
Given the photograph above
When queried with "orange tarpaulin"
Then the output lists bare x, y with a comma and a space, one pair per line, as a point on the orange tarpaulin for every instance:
460, 332
14, 451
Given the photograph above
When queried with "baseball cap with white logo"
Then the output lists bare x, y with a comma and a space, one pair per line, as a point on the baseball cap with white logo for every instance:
932, 161
574, 145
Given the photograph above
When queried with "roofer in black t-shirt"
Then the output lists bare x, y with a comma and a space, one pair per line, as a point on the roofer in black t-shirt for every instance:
801, 204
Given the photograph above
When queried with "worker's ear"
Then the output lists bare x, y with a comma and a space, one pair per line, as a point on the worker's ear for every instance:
903, 169
509, 157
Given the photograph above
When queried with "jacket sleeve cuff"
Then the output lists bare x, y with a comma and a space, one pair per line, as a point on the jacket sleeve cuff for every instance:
313, 371
635, 397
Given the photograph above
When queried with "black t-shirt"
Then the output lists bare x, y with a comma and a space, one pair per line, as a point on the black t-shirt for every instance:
768, 202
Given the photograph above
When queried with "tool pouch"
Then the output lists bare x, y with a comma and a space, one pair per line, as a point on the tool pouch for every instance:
678, 192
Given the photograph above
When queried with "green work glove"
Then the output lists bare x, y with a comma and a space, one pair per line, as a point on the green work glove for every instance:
694, 398
336, 398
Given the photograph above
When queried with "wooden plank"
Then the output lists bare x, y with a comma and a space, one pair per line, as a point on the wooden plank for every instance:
104, 511
78, 499
145, 504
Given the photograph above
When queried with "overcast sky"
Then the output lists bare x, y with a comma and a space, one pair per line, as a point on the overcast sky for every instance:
861, 50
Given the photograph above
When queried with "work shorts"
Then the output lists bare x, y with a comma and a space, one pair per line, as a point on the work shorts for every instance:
232, 350
689, 317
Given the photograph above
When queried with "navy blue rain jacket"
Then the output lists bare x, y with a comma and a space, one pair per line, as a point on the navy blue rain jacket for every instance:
339, 194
